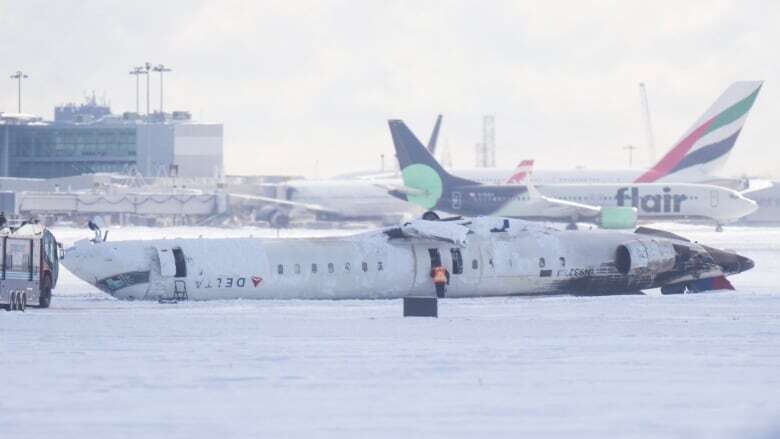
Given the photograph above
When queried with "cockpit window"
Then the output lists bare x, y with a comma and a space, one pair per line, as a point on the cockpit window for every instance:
124, 280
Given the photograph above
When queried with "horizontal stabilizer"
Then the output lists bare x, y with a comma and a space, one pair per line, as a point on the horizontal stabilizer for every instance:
401, 189
755, 185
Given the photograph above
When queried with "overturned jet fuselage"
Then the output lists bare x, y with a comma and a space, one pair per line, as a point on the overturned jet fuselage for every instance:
484, 257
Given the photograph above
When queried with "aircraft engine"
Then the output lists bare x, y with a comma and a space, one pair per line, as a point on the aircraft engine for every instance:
277, 217
618, 217
645, 255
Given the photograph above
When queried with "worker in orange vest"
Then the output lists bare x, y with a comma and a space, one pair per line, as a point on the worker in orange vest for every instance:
441, 278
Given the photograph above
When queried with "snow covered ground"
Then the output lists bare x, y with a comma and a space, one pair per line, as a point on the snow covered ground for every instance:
632, 366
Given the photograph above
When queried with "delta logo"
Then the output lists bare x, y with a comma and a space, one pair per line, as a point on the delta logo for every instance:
658, 203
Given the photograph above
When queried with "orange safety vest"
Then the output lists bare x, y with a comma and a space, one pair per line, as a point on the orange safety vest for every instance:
439, 275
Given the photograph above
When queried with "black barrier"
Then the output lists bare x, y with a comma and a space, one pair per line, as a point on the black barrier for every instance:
421, 306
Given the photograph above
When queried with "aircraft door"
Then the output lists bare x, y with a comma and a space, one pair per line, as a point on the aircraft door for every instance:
426, 258
172, 262
167, 264
714, 198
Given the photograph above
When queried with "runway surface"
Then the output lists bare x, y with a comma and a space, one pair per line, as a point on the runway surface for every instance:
701, 365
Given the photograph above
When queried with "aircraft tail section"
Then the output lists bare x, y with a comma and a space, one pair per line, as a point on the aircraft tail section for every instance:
419, 169
705, 147
522, 172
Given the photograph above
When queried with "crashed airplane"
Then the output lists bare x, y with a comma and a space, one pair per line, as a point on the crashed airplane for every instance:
485, 256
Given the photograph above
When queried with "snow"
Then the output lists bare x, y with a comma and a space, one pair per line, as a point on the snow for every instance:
629, 366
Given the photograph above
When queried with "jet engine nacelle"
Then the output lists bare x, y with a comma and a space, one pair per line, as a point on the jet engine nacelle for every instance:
618, 218
645, 255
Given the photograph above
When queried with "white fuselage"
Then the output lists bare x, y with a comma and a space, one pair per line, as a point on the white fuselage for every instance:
673, 201
525, 259
352, 198
660, 201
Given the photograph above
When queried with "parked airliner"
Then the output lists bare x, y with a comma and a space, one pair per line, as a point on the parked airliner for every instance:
701, 152
427, 184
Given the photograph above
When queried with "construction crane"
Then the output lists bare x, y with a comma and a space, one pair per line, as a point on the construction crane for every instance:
648, 124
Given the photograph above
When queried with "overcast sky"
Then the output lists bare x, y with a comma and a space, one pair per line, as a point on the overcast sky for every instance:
305, 87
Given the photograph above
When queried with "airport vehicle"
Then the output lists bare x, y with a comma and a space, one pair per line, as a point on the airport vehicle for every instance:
30, 263
485, 256
428, 185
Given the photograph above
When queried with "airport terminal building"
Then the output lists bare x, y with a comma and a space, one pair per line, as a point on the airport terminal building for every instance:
87, 138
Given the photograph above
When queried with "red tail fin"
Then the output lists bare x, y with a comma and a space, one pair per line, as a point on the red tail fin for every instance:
523, 170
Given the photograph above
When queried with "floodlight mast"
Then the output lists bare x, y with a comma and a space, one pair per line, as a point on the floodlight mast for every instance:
19, 75
147, 67
137, 71
162, 69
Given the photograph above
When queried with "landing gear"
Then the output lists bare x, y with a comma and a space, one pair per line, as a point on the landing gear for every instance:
430, 216
719, 227
571, 226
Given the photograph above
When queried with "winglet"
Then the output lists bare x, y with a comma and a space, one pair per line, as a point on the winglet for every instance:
434, 136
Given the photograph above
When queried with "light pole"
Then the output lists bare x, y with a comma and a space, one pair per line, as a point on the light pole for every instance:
19, 75
162, 69
147, 67
137, 71
630, 149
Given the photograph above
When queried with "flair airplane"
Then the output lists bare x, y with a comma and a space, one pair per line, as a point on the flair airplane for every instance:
485, 256
428, 185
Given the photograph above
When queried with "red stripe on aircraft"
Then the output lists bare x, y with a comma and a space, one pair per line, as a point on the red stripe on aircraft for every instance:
674, 156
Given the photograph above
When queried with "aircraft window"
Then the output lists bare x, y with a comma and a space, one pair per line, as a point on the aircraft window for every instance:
314, 268
379, 266
119, 281
331, 268
542, 263
457, 261
474, 264
364, 266
297, 268
563, 261
347, 267
280, 269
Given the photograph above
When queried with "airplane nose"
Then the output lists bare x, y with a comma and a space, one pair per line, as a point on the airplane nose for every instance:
119, 269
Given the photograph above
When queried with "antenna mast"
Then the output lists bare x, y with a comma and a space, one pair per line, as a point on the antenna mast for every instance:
486, 150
